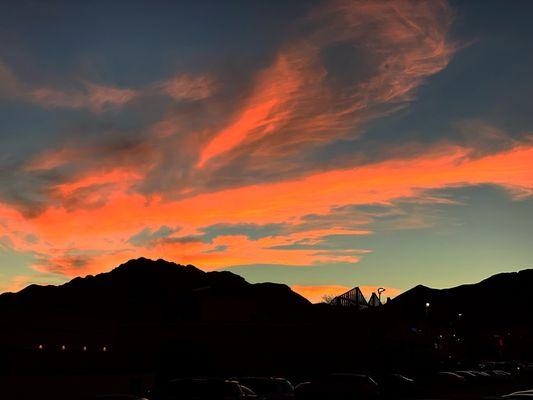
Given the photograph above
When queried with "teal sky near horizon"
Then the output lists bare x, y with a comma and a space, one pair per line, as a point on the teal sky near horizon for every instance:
323, 144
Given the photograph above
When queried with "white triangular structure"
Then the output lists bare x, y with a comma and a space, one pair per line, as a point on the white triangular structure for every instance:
374, 301
352, 298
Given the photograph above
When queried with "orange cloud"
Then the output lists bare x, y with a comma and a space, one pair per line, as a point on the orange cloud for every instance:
295, 103
108, 227
51, 159
262, 113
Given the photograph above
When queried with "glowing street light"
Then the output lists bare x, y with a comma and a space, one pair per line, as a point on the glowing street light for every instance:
380, 290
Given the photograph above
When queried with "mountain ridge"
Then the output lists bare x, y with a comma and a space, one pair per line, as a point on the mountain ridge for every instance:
144, 288
501, 297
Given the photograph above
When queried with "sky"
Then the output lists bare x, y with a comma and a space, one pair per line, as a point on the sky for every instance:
324, 144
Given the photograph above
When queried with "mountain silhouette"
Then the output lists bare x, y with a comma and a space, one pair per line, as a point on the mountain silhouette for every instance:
173, 320
142, 286
145, 292
501, 299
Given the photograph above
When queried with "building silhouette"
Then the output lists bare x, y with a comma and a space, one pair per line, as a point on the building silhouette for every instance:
355, 298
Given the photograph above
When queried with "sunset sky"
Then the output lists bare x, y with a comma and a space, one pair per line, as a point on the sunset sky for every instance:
323, 144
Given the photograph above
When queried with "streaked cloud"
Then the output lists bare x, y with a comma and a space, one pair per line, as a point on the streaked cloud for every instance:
147, 236
298, 102
299, 156
185, 87
92, 96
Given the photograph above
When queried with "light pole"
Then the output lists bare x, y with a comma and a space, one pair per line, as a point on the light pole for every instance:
380, 290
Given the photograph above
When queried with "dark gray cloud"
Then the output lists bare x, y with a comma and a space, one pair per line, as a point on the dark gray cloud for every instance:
251, 231
429, 209
348, 104
113, 124
148, 237
477, 230
209, 233
217, 249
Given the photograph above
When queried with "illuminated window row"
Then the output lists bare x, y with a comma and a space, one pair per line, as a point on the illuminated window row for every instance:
64, 347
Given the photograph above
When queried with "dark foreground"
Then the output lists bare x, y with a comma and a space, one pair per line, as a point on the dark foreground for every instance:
147, 328
490, 380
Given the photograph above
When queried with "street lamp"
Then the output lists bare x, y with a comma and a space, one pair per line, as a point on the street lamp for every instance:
380, 290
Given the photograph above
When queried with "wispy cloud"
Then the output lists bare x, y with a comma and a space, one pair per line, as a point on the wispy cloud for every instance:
297, 101
147, 237
91, 96
187, 87
302, 101
266, 161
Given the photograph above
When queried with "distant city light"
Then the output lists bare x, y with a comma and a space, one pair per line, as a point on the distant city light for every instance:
40, 347
63, 347
104, 349
427, 304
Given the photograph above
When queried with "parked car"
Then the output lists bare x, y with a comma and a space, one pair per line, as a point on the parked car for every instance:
204, 389
118, 397
339, 387
268, 388
500, 375
303, 390
397, 386
448, 379
525, 394
443, 382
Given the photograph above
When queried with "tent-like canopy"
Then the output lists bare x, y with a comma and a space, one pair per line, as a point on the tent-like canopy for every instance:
355, 298
352, 298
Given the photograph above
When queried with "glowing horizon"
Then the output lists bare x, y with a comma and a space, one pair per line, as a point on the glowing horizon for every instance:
322, 144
